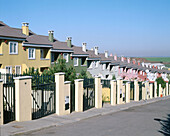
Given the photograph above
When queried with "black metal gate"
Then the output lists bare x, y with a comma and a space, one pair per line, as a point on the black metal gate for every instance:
9, 102
43, 94
140, 90
89, 94
131, 90
72, 97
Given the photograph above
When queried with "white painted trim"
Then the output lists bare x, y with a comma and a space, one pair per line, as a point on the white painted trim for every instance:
11, 69
79, 55
67, 59
77, 61
33, 54
22, 77
10, 48
37, 45
60, 50
18, 66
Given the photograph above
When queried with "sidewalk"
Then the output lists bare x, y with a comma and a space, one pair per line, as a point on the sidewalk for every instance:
14, 128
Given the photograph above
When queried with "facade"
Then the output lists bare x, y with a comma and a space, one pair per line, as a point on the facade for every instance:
19, 51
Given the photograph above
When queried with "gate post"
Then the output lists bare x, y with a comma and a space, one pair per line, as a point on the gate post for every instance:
123, 93
160, 90
169, 89
113, 92
23, 98
147, 90
166, 89
60, 102
119, 90
155, 87
1, 103
136, 92
127, 92
98, 92
143, 91
151, 90
79, 95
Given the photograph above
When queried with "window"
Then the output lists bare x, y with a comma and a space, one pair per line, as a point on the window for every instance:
9, 69
75, 61
13, 48
65, 56
42, 53
104, 66
31, 53
83, 61
121, 70
52, 57
18, 70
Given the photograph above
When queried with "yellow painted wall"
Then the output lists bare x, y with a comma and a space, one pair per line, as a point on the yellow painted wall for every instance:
21, 58
106, 94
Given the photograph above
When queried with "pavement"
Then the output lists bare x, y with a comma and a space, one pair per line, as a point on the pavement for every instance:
16, 128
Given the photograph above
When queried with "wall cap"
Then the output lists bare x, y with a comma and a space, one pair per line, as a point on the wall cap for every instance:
113, 80
60, 73
97, 76
67, 82
22, 77
78, 80
1, 80
119, 78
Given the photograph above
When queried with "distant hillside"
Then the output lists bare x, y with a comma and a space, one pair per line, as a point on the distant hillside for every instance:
164, 60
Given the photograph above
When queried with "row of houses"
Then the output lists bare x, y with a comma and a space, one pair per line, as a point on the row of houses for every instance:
20, 49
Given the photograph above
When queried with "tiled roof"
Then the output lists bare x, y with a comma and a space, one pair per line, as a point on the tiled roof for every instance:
6, 31
92, 54
61, 45
78, 50
103, 58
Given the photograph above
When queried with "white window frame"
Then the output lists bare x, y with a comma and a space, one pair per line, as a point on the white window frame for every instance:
66, 57
33, 54
10, 52
16, 69
77, 61
10, 69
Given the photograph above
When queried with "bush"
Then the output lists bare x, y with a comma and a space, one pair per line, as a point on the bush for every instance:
161, 81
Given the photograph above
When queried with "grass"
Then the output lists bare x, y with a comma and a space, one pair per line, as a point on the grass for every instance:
158, 59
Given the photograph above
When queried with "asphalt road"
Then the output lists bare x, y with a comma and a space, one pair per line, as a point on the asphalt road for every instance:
148, 120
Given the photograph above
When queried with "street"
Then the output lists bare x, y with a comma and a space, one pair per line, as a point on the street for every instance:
148, 120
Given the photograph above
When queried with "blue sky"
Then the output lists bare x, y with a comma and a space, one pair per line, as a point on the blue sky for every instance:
123, 27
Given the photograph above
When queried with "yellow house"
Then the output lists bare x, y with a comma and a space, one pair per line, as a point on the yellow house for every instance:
21, 49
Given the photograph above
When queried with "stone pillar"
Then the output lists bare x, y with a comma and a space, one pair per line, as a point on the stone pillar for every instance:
151, 90
136, 92
143, 91
119, 90
113, 92
23, 98
127, 92
60, 100
163, 91
147, 90
98, 92
160, 90
166, 89
155, 87
1, 103
78, 95
123, 93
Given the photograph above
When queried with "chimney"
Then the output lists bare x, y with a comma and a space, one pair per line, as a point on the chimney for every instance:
69, 41
84, 47
128, 60
122, 58
138, 63
96, 50
115, 57
134, 61
25, 28
106, 54
51, 36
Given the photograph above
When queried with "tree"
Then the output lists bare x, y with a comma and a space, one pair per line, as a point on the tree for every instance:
83, 75
113, 78
161, 81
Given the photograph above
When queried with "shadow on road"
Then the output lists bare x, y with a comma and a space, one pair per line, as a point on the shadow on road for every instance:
165, 125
